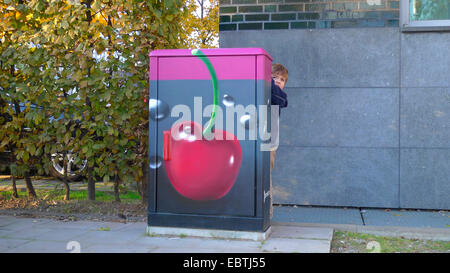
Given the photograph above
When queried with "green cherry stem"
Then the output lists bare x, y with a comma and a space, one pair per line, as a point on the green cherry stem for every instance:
215, 83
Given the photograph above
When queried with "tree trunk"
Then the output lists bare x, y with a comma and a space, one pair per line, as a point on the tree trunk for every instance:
66, 185
30, 188
144, 184
91, 185
138, 188
15, 194
13, 177
67, 196
116, 189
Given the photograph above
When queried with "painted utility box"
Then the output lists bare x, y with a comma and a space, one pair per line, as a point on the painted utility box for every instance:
209, 118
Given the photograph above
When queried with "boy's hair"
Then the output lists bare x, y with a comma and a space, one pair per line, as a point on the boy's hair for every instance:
279, 69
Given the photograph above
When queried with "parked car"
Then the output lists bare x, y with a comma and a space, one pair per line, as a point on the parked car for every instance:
74, 171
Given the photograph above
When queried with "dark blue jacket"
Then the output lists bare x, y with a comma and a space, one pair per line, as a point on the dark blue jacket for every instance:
278, 96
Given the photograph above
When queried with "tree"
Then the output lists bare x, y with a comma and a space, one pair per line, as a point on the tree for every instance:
201, 26
74, 74
16, 84
85, 65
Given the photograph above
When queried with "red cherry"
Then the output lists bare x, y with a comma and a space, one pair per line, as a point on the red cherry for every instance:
198, 168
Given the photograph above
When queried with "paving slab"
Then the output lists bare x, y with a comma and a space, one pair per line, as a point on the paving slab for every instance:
296, 245
40, 246
25, 234
132, 227
295, 232
300, 214
4, 233
52, 235
9, 244
6, 220
118, 248
19, 224
107, 237
84, 225
407, 218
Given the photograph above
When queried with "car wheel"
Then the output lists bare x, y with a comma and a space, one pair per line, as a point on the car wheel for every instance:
74, 171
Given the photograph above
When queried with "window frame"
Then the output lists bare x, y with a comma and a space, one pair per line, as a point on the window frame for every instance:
408, 25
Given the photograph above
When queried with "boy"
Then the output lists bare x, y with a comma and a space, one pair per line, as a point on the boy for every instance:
279, 79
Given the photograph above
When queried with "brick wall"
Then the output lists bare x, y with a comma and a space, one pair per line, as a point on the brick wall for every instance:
304, 14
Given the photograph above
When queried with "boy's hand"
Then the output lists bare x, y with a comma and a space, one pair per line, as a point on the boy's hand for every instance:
279, 80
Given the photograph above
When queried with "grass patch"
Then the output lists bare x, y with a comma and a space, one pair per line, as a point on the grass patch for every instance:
51, 204
59, 194
365, 243
7, 195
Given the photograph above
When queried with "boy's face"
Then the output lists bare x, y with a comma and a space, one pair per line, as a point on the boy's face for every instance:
279, 80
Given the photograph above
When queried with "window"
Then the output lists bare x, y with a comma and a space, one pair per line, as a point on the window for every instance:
425, 15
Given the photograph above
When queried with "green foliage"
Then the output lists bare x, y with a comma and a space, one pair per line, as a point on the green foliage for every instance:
85, 65
201, 27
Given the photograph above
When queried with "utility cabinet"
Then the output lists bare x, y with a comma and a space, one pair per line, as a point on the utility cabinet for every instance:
196, 179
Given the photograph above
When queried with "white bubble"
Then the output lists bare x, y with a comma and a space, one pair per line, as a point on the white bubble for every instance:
228, 100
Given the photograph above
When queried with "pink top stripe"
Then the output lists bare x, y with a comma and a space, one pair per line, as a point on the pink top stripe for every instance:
229, 64
210, 52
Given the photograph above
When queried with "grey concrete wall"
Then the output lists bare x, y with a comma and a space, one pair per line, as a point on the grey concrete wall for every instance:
368, 122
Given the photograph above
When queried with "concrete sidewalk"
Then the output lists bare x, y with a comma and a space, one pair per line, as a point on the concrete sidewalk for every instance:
413, 224
25, 235
295, 229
